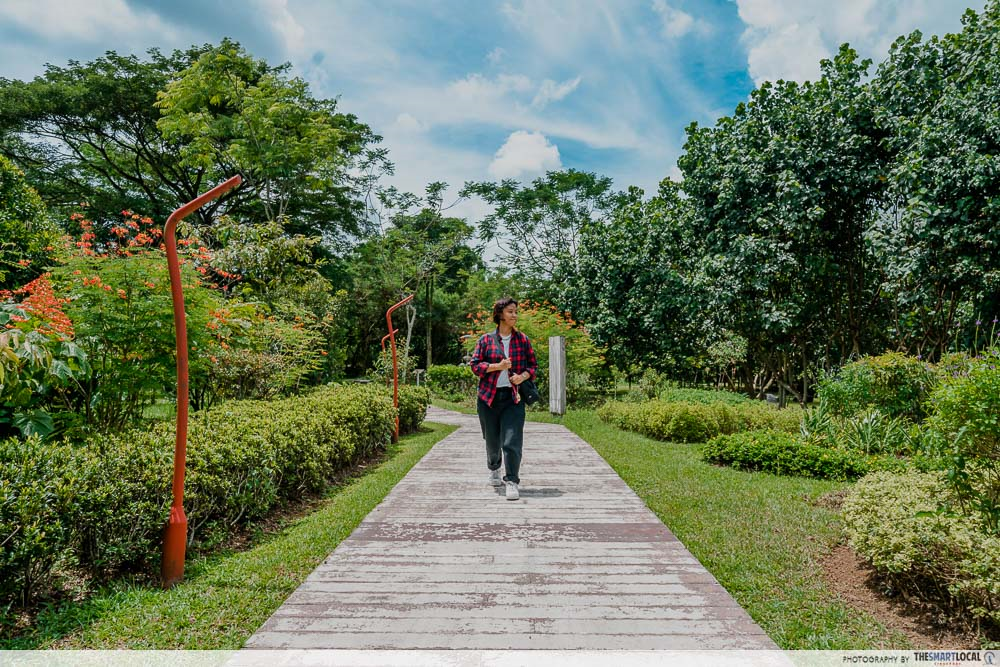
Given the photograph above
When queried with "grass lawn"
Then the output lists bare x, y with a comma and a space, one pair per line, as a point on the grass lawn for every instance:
760, 535
225, 597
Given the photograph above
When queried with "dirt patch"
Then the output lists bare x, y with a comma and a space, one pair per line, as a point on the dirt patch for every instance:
857, 584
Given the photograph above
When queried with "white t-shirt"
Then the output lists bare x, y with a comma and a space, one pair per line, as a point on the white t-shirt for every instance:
504, 379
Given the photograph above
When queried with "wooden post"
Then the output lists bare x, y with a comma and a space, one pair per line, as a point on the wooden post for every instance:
557, 375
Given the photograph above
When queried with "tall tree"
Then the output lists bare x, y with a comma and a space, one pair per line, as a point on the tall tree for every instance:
782, 193
940, 238
536, 228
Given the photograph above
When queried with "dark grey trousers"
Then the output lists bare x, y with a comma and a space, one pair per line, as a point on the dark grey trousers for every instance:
503, 429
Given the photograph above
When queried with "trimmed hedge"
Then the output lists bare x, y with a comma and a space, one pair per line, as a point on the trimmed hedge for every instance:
685, 421
782, 453
452, 382
104, 504
945, 559
413, 402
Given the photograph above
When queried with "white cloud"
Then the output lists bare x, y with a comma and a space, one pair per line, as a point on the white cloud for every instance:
291, 31
676, 23
787, 38
525, 153
550, 91
408, 124
83, 21
477, 87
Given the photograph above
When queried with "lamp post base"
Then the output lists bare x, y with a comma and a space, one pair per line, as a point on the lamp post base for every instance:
174, 545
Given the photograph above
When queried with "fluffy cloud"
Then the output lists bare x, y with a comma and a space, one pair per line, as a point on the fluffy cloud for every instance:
83, 21
676, 23
787, 38
525, 153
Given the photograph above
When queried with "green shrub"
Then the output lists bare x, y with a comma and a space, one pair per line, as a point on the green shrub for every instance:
38, 497
413, 402
894, 383
453, 383
947, 560
782, 453
707, 396
683, 421
965, 418
104, 504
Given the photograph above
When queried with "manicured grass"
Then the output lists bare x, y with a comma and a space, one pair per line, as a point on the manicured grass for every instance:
760, 535
224, 598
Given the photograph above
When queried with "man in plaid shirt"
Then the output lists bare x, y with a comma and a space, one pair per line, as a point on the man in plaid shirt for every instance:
503, 359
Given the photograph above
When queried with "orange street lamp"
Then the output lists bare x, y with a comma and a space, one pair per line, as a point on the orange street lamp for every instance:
175, 533
395, 364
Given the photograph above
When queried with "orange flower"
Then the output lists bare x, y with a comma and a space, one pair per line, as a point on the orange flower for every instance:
121, 293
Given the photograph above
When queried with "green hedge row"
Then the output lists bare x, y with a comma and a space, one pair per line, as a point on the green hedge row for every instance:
103, 505
942, 557
782, 453
685, 421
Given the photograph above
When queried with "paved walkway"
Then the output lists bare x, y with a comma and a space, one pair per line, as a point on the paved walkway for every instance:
446, 562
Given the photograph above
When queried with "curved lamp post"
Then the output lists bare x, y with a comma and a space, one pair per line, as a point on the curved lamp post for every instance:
395, 364
175, 534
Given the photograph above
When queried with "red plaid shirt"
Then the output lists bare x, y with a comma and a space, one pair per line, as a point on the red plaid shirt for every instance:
488, 351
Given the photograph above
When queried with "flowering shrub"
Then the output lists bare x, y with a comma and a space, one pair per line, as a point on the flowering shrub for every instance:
123, 318
40, 367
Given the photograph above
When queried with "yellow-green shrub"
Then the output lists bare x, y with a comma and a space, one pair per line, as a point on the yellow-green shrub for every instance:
946, 559
684, 421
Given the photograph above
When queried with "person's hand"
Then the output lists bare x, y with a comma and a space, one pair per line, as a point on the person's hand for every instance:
504, 365
519, 378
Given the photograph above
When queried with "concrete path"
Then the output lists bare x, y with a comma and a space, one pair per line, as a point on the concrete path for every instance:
446, 562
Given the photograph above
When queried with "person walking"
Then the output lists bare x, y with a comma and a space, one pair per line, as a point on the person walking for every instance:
503, 359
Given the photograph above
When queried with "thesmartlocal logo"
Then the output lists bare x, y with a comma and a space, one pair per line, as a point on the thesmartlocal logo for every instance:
955, 657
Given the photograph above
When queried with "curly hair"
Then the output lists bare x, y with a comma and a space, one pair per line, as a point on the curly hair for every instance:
498, 307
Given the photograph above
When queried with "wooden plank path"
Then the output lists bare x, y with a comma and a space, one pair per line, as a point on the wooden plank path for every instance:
446, 562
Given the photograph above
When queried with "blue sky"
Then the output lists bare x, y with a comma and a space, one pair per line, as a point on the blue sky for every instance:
487, 90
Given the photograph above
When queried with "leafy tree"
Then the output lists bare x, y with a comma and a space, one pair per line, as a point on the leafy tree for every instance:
231, 113
27, 236
782, 193
636, 285
89, 133
537, 227
940, 238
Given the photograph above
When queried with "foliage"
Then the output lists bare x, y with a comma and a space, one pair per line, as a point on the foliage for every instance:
123, 316
682, 421
27, 236
965, 409
38, 499
231, 113
782, 453
636, 282
939, 241
780, 195
40, 366
453, 383
537, 227
894, 383
705, 396
122, 132
413, 402
103, 504
944, 559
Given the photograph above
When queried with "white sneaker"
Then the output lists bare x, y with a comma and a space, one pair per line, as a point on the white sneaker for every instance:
495, 478
512, 493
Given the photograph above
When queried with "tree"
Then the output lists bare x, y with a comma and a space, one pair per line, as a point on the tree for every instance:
89, 133
940, 237
782, 193
537, 227
27, 236
231, 113
636, 285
